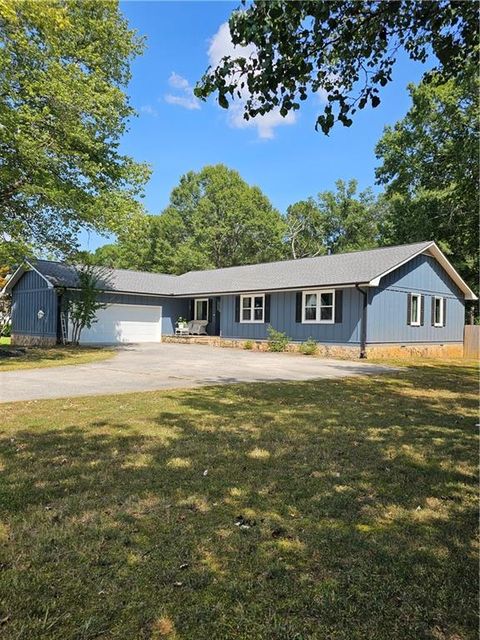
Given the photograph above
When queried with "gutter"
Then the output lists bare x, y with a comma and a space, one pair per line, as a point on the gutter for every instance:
363, 322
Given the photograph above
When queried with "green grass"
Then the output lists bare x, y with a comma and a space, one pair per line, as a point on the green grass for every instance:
119, 514
4, 340
39, 357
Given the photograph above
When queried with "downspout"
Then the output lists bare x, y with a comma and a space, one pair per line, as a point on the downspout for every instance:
363, 322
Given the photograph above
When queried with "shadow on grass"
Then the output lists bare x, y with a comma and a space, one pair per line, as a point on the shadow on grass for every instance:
328, 509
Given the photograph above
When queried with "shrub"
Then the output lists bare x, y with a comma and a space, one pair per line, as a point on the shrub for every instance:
248, 345
309, 347
277, 340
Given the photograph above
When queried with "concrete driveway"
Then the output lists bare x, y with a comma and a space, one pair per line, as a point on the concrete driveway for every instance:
148, 367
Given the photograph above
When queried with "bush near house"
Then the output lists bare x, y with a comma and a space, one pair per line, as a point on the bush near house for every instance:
309, 347
277, 340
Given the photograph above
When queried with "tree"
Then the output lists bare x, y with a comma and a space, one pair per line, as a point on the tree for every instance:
82, 306
305, 235
64, 65
344, 49
214, 219
5, 302
431, 173
338, 221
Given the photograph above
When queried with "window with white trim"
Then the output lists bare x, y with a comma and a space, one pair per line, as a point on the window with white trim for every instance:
318, 307
415, 309
201, 309
438, 312
252, 308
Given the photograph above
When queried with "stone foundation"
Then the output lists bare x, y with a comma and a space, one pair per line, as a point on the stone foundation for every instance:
396, 351
340, 352
23, 340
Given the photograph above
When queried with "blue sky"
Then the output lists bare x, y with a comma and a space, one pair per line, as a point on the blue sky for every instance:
175, 133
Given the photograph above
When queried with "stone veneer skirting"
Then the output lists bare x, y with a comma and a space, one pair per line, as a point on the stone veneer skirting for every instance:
24, 340
345, 352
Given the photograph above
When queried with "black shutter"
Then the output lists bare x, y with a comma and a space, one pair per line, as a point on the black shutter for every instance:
191, 309
210, 308
266, 315
338, 305
444, 312
422, 309
433, 311
409, 308
298, 307
237, 308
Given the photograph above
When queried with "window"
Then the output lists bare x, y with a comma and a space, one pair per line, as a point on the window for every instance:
201, 309
415, 309
252, 308
318, 306
438, 312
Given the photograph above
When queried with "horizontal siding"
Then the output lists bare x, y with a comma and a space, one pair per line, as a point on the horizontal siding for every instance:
282, 318
387, 309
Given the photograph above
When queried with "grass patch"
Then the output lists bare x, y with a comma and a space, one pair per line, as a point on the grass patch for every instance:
4, 340
340, 509
39, 357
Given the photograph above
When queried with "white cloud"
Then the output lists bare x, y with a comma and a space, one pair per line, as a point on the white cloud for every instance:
221, 45
148, 110
185, 97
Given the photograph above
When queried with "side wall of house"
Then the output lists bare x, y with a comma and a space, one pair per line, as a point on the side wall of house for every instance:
387, 308
30, 295
283, 318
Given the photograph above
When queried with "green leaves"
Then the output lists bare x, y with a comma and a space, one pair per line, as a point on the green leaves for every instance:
63, 110
347, 48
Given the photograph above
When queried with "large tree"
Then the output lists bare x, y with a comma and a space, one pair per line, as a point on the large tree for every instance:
214, 219
337, 221
345, 49
430, 170
64, 65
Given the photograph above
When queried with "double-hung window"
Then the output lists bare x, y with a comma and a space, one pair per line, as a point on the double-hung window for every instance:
252, 308
438, 319
318, 307
415, 309
201, 309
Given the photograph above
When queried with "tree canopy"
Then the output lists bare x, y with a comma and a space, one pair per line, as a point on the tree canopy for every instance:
214, 219
63, 69
344, 49
429, 167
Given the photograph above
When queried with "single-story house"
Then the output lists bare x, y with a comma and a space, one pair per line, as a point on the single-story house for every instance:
402, 296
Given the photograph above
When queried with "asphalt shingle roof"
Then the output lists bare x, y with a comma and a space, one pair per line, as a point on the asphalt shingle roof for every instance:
332, 270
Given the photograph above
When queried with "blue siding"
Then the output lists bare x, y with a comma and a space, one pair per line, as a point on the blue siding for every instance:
387, 309
30, 295
282, 318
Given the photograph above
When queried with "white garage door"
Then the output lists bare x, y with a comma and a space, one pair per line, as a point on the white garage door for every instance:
125, 323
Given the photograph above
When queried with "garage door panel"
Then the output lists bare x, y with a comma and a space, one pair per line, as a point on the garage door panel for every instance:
121, 323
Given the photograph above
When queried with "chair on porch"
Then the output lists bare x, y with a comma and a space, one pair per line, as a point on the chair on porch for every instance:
197, 327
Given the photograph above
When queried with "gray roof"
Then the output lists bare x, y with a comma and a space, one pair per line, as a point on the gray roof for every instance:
342, 268
357, 267
60, 274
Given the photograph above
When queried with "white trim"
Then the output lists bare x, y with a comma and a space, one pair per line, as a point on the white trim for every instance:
50, 285
441, 299
252, 296
195, 308
436, 253
318, 293
417, 322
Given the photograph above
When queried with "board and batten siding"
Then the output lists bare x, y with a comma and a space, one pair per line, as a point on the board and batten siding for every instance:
172, 308
387, 308
282, 318
29, 296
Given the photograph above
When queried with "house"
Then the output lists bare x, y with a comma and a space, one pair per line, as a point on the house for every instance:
388, 298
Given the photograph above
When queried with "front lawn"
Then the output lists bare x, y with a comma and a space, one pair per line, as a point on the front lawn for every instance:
336, 509
36, 357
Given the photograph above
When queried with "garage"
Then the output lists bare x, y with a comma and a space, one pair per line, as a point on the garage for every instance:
120, 323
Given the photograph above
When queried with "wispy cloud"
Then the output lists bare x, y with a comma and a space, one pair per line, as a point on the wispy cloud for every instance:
184, 96
221, 45
148, 110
